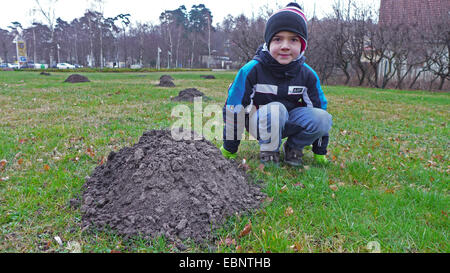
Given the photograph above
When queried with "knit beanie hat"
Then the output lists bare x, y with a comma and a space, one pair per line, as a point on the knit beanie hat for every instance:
291, 18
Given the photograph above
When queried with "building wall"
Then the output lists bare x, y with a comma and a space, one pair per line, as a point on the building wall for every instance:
413, 12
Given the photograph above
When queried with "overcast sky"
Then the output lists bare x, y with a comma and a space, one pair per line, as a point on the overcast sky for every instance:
149, 10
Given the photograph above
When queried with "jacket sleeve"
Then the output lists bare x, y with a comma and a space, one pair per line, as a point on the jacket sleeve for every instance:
314, 96
239, 97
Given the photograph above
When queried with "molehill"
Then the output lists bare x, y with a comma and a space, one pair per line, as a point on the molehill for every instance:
166, 81
208, 77
189, 95
76, 78
163, 187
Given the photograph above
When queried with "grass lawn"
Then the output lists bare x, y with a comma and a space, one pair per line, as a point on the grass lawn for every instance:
387, 184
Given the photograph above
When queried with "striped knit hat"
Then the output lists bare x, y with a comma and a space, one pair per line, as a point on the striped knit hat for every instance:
291, 18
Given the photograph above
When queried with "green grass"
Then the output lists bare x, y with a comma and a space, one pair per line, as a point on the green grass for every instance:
389, 170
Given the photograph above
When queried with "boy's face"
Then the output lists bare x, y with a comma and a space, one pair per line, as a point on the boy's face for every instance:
285, 47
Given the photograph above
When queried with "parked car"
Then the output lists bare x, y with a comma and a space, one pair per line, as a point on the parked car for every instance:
27, 65
3, 65
78, 66
40, 66
65, 66
13, 66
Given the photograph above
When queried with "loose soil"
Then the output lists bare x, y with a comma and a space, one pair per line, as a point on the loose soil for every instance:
163, 187
188, 95
166, 81
76, 78
166, 78
208, 77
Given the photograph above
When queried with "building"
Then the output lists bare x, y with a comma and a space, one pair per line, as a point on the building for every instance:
419, 14
413, 12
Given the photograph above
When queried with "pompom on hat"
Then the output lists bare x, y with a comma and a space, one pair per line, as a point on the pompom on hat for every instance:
291, 18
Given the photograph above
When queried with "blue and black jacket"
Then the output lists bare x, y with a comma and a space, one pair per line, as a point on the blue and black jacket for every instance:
263, 80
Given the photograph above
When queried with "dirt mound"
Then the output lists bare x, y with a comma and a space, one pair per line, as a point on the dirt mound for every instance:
44, 74
208, 77
166, 81
188, 95
76, 78
166, 78
178, 189
7, 69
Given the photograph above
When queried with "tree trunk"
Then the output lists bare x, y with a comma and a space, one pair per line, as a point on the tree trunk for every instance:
209, 41
192, 56
415, 79
441, 84
178, 48
347, 75
125, 53
76, 48
34, 46
5, 51
101, 47
91, 58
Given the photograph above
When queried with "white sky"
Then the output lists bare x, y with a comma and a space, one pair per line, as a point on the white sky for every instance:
149, 10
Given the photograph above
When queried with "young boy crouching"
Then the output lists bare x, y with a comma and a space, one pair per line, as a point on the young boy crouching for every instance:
284, 93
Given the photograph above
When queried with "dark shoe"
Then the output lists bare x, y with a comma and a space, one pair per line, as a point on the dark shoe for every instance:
269, 157
292, 156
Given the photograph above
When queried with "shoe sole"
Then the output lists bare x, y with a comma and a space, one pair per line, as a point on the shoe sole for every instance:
294, 164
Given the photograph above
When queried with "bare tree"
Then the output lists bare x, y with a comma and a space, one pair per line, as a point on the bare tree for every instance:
6, 44
340, 35
246, 35
48, 13
437, 43
321, 52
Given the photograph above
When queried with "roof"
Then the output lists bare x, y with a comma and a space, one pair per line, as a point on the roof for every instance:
413, 12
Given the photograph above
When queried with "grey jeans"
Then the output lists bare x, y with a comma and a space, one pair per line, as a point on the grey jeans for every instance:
302, 126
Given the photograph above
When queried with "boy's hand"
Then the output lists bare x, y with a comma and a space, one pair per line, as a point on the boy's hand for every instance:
227, 154
320, 159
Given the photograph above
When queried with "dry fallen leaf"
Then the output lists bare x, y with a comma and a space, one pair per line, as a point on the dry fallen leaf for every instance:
284, 188
3, 163
333, 187
296, 247
246, 229
58, 240
20, 161
46, 167
289, 211
90, 152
